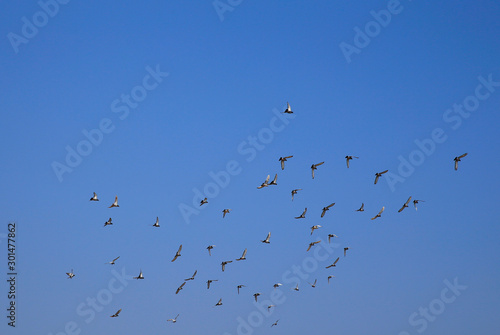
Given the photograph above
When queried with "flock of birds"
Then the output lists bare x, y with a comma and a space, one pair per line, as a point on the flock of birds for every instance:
226, 211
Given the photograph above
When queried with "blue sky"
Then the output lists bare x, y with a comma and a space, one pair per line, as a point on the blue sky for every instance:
180, 91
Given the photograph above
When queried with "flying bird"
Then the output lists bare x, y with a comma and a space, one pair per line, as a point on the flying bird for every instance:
116, 314
327, 208
295, 192
333, 264
303, 215
345, 250
209, 248
378, 175
267, 238
362, 208
288, 109
225, 211
238, 287
312, 244
113, 261
415, 202
243, 257
283, 160
458, 159
70, 274
224, 265
115, 204
275, 180
329, 278
270, 306
209, 282
313, 285
204, 201
255, 296
180, 287
94, 198
108, 223
313, 228
379, 214
178, 253
174, 320
157, 223
405, 205
315, 167
265, 183
140, 276
275, 324
219, 303
296, 288
330, 236
277, 285
348, 158
192, 277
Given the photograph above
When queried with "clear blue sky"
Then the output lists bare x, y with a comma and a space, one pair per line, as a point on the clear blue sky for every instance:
89, 65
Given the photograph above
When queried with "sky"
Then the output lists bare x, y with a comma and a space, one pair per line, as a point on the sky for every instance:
165, 103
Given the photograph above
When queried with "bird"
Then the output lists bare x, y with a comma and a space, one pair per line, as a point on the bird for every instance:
378, 175
283, 160
330, 236
329, 278
209, 282
116, 314
180, 287
219, 303
348, 158
174, 320
94, 198
265, 183
243, 257
178, 253
267, 238
379, 214
224, 264
288, 109
345, 250
312, 244
204, 201
362, 208
209, 248
70, 274
315, 167
225, 211
313, 285
277, 285
404, 205
295, 192
157, 223
415, 202
238, 287
113, 261
296, 288
108, 223
327, 208
275, 324
313, 228
458, 159
275, 180
256, 295
303, 215
192, 277
270, 306
333, 264
115, 204
140, 276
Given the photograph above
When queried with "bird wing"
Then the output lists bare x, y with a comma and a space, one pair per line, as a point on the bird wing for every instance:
323, 213
383, 207
456, 164
319, 164
384, 172
118, 312
180, 248
275, 178
347, 161
267, 179
336, 260
244, 253
376, 178
330, 205
282, 164
408, 201
268, 236
462, 155
175, 257
116, 258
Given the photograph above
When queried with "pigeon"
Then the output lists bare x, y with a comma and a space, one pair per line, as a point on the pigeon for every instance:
303, 215
313, 285
174, 320
113, 261
415, 202
204, 201
362, 208
404, 205
330, 236
265, 183
108, 223
270, 306
267, 238
313, 228
295, 192
345, 250
140, 276
329, 278
255, 296
116, 314
379, 214
326, 209
180, 288
224, 265
209, 282
458, 159
283, 160
157, 223
70, 274
94, 198
238, 287
315, 167
209, 248
178, 253
277, 285
243, 257
275, 180
115, 204
296, 288
348, 158
275, 324
192, 277
378, 175
333, 264
219, 303
312, 244
225, 211
288, 109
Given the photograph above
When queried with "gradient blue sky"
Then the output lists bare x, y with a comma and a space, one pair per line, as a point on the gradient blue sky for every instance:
225, 79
